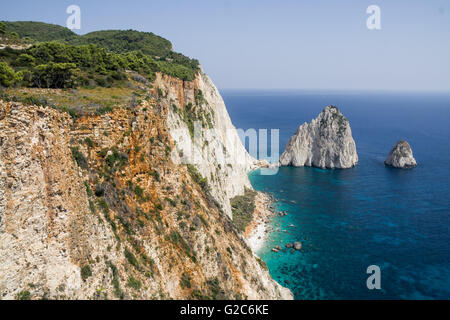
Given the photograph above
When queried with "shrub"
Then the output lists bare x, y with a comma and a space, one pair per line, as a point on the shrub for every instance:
177, 239
115, 161
198, 295
7, 75
24, 77
92, 206
116, 284
55, 75
103, 110
262, 263
72, 112
139, 191
242, 208
156, 175
197, 177
86, 272
23, 295
105, 208
134, 283
24, 60
131, 258
88, 189
214, 288
126, 225
14, 35
172, 202
99, 191
185, 281
89, 142
79, 158
102, 204
202, 218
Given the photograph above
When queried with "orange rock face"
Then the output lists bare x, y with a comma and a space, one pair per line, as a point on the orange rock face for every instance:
94, 207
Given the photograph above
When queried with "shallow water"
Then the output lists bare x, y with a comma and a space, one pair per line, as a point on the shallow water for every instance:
367, 215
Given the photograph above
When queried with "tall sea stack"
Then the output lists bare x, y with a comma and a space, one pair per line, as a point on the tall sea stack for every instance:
325, 142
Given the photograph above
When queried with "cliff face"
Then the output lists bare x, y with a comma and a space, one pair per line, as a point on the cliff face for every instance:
325, 142
201, 127
401, 156
103, 207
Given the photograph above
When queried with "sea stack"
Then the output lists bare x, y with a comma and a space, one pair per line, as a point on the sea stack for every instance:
401, 156
325, 142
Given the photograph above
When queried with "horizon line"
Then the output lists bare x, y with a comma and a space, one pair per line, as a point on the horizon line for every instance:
340, 90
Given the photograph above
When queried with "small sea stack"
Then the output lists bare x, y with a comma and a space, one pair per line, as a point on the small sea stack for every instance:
401, 156
326, 142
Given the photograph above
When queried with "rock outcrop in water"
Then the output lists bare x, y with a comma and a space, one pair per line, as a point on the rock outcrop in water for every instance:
401, 156
325, 142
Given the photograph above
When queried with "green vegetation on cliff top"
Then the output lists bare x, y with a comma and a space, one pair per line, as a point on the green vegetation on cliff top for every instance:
59, 58
39, 31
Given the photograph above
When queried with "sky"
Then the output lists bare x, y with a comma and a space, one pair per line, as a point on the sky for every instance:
303, 44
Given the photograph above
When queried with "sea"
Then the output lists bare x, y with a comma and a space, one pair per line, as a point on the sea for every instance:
370, 215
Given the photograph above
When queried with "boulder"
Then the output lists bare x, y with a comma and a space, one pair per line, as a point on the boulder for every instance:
276, 249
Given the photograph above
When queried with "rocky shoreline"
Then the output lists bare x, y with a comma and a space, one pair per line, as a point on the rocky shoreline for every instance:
257, 230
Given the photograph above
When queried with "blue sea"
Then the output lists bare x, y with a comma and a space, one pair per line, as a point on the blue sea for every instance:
350, 219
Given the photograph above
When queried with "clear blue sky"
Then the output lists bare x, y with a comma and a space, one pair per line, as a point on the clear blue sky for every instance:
310, 44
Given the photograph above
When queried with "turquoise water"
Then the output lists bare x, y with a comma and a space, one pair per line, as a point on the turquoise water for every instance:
367, 215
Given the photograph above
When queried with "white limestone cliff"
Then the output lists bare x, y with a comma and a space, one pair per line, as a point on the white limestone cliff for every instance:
217, 151
325, 142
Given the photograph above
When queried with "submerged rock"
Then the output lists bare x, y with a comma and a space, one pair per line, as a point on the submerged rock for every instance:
276, 249
325, 142
297, 245
401, 156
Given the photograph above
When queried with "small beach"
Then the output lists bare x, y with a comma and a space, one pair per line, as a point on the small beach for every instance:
256, 231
